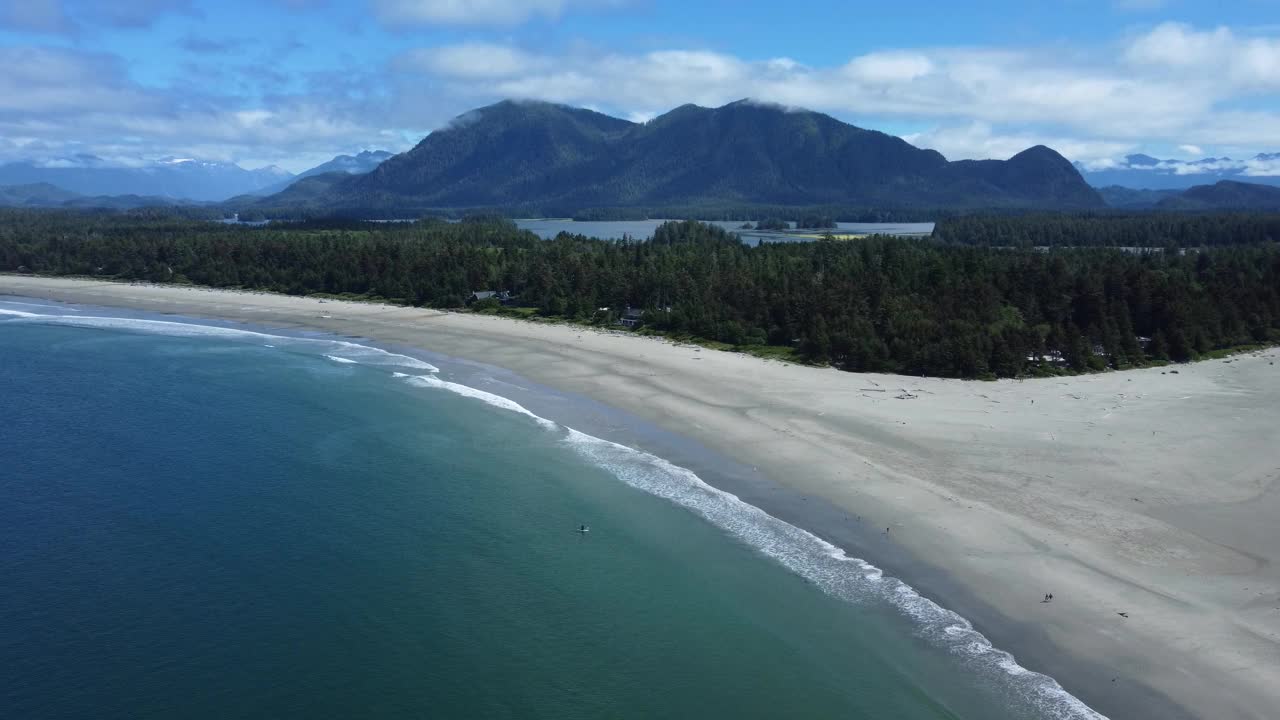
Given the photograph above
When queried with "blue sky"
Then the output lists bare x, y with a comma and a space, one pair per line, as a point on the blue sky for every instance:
294, 82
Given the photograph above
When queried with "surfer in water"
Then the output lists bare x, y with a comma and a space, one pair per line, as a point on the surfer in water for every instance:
583, 529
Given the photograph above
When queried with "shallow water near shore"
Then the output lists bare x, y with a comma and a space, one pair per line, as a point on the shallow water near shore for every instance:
208, 522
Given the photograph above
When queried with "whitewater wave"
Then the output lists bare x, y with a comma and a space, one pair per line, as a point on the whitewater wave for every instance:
336, 350
809, 556
431, 381
344, 361
42, 305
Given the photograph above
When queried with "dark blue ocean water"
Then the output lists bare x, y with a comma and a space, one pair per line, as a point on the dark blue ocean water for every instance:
197, 523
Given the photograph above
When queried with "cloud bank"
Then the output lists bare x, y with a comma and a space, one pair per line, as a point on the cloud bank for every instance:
1171, 85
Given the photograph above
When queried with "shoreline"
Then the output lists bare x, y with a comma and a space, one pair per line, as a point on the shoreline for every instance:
950, 472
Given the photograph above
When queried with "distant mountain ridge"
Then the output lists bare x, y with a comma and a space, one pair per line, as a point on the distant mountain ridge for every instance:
1225, 195
745, 153
1222, 195
34, 195
1148, 173
357, 164
172, 178
44, 195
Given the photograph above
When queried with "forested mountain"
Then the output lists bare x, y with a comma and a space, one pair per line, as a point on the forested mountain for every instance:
563, 159
34, 195
955, 308
1222, 195
1225, 195
1125, 198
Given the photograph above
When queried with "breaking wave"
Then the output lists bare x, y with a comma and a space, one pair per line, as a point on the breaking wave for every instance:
809, 556
336, 350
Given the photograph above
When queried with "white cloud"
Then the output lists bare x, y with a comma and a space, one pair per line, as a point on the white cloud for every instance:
977, 102
1262, 168
1193, 150
971, 85
889, 67
398, 13
1149, 88
56, 100
40, 81
980, 141
1259, 166
1217, 60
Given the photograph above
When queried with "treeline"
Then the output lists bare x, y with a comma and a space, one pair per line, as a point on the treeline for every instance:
1137, 230
876, 304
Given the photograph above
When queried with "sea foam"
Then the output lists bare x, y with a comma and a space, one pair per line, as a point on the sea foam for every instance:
431, 381
336, 350
42, 305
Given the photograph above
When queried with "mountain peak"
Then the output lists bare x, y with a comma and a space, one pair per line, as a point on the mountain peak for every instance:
1041, 154
1141, 160
273, 170
558, 158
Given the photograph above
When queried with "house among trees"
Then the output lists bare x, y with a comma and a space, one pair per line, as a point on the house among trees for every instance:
632, 317
502, 296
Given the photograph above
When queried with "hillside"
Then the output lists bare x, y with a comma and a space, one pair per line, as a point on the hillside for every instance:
1225, 195
553, 157
1126, 198
34, 195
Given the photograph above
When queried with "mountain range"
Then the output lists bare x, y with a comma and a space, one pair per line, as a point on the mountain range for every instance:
1147, 172
348, 164
1222, 195
553, 159
174, 178
44, 195
560, 159
166, 183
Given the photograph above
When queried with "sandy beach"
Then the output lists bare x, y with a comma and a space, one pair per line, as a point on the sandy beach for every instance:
1146, 501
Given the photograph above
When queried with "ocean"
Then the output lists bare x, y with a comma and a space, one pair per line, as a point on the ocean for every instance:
202, 520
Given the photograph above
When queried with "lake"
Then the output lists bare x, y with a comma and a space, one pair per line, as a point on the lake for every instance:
548, 228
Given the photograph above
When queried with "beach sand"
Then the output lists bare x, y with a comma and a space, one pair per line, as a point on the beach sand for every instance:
1147, 492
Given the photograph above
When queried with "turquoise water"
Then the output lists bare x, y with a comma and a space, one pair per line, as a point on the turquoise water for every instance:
200, 522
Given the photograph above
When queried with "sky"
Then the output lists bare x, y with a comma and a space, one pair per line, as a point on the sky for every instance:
295, 82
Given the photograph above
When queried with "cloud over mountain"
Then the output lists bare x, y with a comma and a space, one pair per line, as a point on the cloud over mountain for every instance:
1153, 89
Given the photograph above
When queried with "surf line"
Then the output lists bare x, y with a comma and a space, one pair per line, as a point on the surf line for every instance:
851, 579
343, 351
